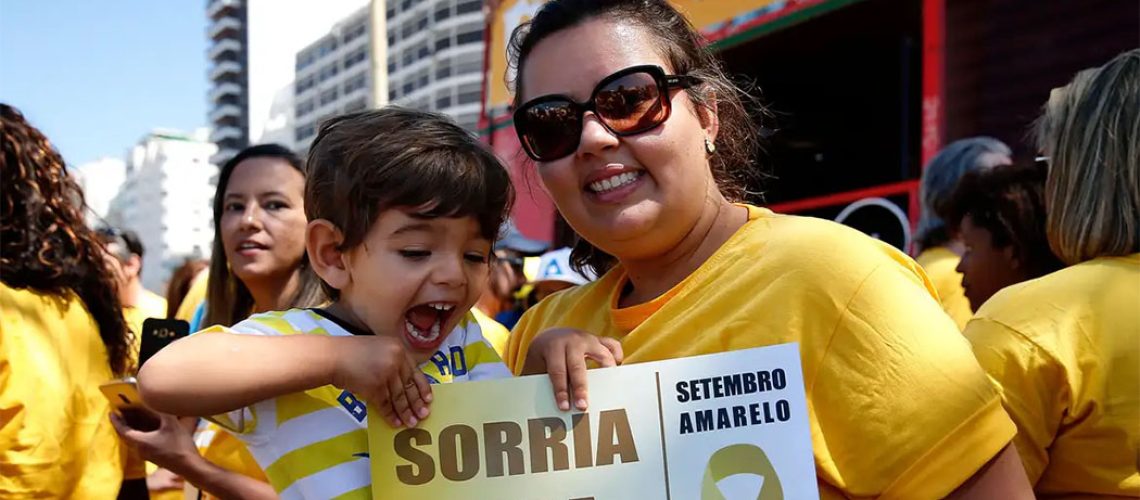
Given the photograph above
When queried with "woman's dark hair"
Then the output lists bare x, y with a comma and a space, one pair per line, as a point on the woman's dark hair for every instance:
179, 284
940, 177
46, 244
398, 157
734, 166
228, 301
1009, 202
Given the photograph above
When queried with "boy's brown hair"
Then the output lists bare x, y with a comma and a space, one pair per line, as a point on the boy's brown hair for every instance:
363, 163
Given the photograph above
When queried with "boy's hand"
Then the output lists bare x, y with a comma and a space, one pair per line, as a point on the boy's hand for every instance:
562, 352
381, 372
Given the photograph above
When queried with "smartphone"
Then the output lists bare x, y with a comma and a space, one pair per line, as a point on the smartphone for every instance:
159, 333
124, 397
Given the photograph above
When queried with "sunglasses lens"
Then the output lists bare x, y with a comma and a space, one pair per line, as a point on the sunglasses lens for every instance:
550, 130
631, 104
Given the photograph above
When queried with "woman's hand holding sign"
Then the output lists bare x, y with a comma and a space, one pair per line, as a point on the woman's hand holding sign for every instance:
562, 353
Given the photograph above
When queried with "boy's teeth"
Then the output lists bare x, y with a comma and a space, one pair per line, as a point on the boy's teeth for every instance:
613, 182
430, 335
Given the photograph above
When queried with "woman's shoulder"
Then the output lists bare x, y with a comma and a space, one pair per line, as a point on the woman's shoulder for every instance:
1099, 289
815, 247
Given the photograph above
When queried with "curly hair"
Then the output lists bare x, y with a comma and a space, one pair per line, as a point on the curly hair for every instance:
45, 245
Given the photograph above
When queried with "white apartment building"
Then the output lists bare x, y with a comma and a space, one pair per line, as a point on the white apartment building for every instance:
167, 199
229, 81
100, 181
334, 75
435, 56
252, 49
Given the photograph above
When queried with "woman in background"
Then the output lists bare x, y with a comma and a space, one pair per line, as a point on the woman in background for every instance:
999, 215
1065, 348
63, 333
939, 249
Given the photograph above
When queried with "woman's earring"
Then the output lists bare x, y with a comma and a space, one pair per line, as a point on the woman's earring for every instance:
710, 148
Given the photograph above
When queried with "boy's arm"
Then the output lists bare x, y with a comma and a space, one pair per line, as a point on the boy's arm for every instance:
213, 373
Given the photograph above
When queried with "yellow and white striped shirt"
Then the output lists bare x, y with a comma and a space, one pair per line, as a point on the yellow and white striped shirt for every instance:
313, 444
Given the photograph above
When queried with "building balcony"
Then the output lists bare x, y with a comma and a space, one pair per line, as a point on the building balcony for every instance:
223, 68
217, 28
223, 111
224, 45
224, 132
223, 89
216, 8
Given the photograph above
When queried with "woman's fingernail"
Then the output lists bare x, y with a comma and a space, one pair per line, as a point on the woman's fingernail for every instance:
423, 412
412, 422
581, 404
563, 405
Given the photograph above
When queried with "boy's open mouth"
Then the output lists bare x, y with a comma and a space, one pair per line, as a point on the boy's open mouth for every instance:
424, 324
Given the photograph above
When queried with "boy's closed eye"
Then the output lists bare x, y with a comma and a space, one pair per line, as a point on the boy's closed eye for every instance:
415, 254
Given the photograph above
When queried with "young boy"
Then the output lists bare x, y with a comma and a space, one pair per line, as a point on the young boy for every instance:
403, 208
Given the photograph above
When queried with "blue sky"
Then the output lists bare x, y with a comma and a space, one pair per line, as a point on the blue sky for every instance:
97, 75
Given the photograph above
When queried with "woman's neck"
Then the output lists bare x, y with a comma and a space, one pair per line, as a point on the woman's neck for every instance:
651, 278
274, 293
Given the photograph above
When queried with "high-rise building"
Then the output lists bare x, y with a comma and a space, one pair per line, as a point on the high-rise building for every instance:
333, 75
167, 199
100, 181
253, 44
229, 78
435, 56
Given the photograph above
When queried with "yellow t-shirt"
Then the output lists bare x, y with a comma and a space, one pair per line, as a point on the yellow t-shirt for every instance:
194, 297
56, 439
940, 264
493, 332
898, 406
1065, 349
226, 451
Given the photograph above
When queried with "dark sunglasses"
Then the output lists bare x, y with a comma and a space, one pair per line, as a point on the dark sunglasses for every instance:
629, 102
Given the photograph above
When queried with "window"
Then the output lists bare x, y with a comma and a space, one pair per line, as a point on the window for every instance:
407, 59
305, 131
355, 57
304, 60
405, 5
391, 12
356, 82
391, 39
469, 37
422, 22
392, 94
442, 43
304, 84
304, 108
407, 30
326, 47
443, 101
443, 13
355, 32
328, 72
328, 96
443, 70
408, 88
422, 79
468, 6
423, 51
391, 67
469, 67
469, 93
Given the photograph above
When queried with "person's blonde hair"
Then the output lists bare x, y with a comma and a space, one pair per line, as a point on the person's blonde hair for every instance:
1090, 130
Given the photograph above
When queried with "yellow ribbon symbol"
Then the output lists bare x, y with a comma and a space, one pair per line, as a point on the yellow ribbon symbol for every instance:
740, 459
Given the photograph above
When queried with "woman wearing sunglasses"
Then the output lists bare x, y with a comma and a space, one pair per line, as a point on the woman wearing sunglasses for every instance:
642, 142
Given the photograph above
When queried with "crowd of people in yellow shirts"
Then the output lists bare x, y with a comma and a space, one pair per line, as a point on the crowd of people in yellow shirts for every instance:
1002, 361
